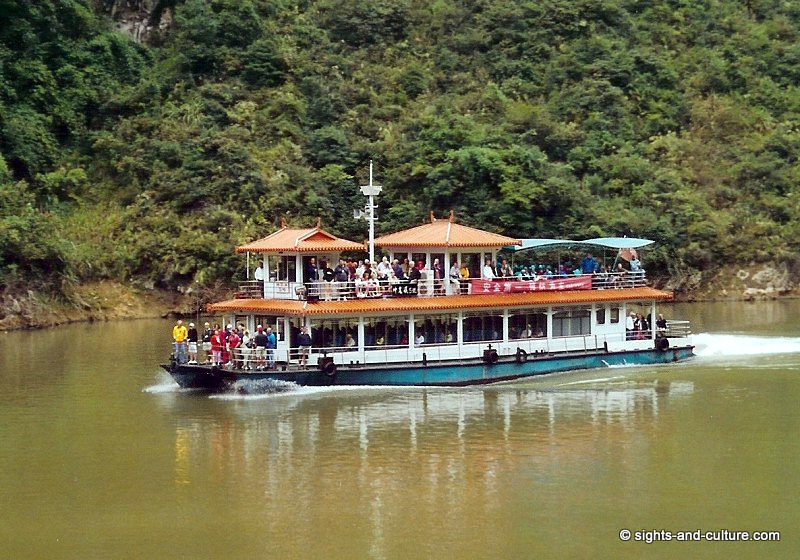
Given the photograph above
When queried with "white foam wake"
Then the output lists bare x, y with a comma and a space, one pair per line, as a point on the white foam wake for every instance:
164, 384
708, 344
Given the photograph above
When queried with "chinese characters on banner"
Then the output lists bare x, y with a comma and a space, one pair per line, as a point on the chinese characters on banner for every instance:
583, 282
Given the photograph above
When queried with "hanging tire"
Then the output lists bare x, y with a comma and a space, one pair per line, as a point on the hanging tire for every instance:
662, 344
329, 369
490, 356
522, 356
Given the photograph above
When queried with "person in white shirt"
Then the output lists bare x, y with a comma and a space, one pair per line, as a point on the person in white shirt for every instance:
629, 326
488, 270
259, 274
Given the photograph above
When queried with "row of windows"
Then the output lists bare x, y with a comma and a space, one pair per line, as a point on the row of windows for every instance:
442, 329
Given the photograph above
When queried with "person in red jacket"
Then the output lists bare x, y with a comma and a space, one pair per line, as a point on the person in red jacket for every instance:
233, 344
217, 345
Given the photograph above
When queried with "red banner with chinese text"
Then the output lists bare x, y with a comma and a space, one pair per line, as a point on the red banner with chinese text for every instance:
582, 282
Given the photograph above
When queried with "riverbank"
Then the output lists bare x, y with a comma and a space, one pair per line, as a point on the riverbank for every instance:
98, 301
103, 301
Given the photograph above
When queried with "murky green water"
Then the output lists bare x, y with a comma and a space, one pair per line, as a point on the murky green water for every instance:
101, 457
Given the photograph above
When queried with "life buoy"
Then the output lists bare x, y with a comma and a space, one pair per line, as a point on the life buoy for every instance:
490, 356
522, 356
662, 344
329, 368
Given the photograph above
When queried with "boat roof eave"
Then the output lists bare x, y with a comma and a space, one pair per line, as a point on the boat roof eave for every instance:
451, 304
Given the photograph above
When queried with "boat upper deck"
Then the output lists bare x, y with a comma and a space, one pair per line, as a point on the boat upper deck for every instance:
385, 306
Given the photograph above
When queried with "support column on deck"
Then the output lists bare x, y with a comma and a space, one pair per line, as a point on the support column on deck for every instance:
446, 274
360, 333
652, 322
412, 335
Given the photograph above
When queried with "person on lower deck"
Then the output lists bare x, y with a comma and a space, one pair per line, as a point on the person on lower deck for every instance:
630, 326
206, 347
179, 335
192, 339
271, 345
261, 346
304, 345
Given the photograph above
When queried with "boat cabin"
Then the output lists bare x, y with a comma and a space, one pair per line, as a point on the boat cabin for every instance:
433, 316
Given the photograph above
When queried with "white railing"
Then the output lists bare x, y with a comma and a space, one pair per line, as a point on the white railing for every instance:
332, 291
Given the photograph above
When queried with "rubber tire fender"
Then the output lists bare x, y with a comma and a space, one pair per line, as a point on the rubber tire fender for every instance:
662, 344
522, 356
329, 369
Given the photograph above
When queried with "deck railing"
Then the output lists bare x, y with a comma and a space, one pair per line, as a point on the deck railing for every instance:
426, 287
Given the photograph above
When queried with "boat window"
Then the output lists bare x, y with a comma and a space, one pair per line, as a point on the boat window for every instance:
437, 329
615, 315
601, 316
385, 332
281, 268
272, 322
527, 324
479, 327
473, 262
340, 334
571, 322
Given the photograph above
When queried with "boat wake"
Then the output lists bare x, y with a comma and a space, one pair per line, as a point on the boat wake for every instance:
257, 388
164, 384
708, 344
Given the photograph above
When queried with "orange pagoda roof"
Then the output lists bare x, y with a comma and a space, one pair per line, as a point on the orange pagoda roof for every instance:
306, 240
444, 303
444, 233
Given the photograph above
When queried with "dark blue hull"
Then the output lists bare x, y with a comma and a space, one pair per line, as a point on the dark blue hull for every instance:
455, 373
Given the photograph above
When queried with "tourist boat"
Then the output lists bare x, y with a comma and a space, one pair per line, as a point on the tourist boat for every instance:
434, 331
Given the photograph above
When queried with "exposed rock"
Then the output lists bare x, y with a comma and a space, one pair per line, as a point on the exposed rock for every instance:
140, 19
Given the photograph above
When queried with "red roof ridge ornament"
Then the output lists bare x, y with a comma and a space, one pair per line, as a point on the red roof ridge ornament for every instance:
452, 217
319, 222
433, 218
283, 222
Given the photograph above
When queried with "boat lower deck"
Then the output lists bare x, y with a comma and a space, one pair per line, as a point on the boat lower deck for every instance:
489, 369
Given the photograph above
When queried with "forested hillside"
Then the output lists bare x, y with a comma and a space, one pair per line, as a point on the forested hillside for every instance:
673, 120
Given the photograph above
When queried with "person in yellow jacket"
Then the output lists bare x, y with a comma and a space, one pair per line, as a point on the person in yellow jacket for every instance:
179, 334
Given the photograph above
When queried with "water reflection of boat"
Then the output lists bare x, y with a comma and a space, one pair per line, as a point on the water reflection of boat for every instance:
431, 330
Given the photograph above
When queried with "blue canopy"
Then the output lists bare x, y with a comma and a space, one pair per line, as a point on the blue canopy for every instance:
602, 242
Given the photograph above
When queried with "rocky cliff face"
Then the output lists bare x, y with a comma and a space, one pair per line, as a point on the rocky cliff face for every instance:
141, 19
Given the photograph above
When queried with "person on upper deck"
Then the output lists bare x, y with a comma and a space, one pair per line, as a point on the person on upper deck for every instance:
415, 273
342, 275
310, 271
258, 274
589, 264
506, 272
383, 270
455, 278
398, 270
488, 270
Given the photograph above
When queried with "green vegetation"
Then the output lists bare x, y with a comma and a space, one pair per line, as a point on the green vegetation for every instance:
672, 120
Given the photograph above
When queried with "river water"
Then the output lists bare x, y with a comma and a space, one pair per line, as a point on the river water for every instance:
101, 456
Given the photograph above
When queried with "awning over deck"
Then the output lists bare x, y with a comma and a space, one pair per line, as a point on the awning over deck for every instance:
597, 242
